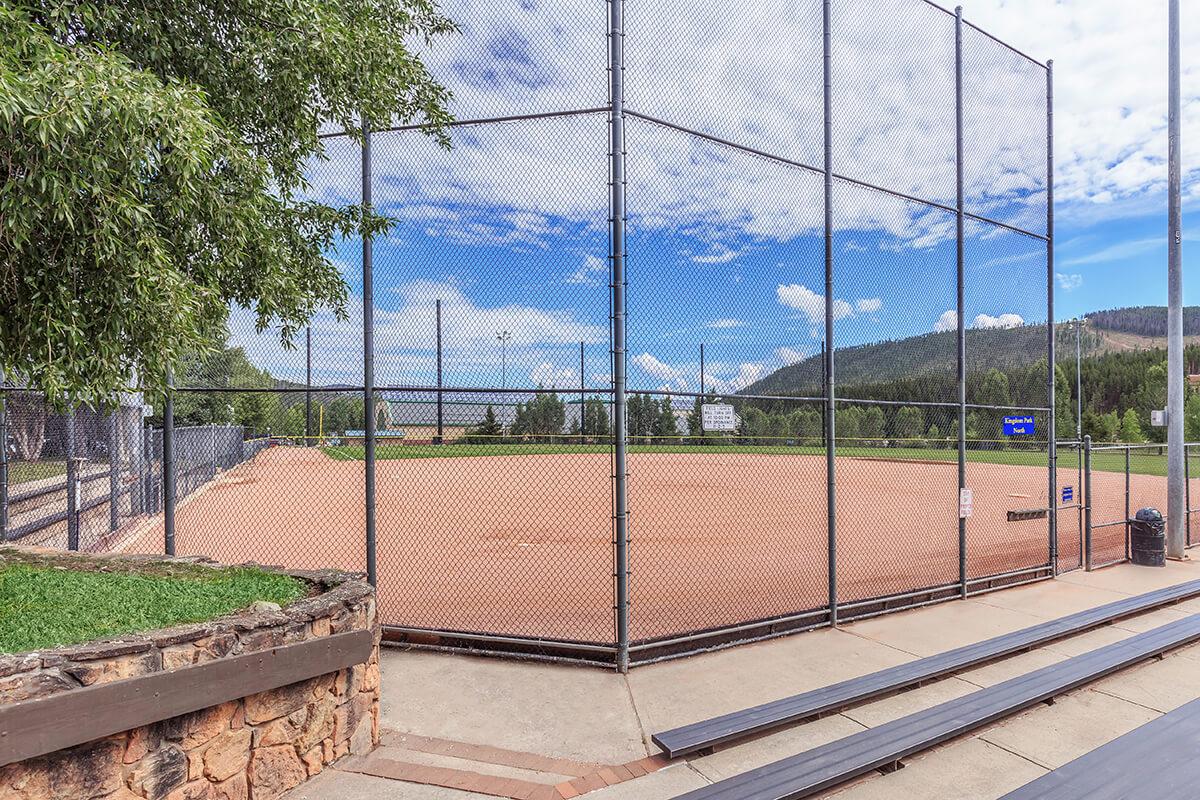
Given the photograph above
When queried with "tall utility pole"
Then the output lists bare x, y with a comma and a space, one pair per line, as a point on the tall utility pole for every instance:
1176, 491
1078, 379
503, 337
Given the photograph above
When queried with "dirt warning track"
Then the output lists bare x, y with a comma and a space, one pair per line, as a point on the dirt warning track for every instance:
522, 545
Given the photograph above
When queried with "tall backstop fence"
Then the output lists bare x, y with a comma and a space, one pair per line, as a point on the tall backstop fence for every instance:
708, 327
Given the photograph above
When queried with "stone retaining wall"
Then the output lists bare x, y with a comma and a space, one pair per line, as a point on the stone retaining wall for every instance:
254, 748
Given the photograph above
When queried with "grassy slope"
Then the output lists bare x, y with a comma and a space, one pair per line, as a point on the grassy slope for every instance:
45, 605
1146, 462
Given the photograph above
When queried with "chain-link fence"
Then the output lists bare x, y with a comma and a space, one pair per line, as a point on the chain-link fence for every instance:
708, 327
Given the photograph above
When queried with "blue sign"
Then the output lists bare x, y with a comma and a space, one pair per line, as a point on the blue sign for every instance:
1068, 494
1018, 426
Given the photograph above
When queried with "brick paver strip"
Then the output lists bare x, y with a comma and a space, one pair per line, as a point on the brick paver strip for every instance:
587, 777
488, 754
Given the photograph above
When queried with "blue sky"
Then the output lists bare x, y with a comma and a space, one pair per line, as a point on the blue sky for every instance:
509, 228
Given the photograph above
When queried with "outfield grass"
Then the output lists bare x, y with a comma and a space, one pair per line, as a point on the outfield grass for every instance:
44, 604
25, 471
1146, 462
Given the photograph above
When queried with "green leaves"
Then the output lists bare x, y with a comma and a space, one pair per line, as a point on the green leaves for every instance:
153, 155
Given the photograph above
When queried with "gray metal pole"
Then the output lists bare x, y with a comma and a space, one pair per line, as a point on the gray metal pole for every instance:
308, 386
3, 463
1078, 379
1128, 510
702, 398
1051, 361
616, 47
168, 469
1087, 500
961, 296
1175, 392
368, 360
114, 468
73, 503
438, 308
582, 398
830, 445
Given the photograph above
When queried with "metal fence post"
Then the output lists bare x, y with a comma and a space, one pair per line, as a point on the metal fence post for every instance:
440, 431
3, 463
368, 360
308, 386
1187, 497
1127, 509
616, 46
830, 397
168, 469
961, 296
73, 502
114, 469
1087, 503
1052, 449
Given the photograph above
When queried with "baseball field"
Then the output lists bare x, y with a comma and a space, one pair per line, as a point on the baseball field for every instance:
519, 542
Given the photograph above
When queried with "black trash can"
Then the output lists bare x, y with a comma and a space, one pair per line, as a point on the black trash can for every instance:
1148, 538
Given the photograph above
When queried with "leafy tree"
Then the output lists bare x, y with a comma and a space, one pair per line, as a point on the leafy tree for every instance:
804, 425
994, 391
1131, 428
752, 425
909, 426
543, 417
870, 424
935, 437
665, 426
488, 431
846, 425
153, 171
1191, 418
595, 418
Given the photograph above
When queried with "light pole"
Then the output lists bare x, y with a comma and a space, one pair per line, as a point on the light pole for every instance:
1176, 503
1078, 380
504, 337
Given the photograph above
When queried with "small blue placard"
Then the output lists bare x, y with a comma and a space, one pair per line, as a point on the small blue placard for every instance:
1018, 426
1068, 494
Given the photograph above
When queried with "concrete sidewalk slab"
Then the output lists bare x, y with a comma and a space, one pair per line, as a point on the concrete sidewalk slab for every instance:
1161, 685
676, 693
908, 702
785, 742
568, 712
1052, 599
1077, 723
595, 716
334, 784
938, 628
970, 769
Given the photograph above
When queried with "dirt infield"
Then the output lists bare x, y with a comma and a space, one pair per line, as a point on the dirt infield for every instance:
521, 545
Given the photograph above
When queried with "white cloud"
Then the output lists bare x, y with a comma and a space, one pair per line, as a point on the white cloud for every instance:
547, 376
720, 255
724, 322
1002, 321
868, 305
661, 370
1068, 281
948, 321
788, 356
809, 303
590, 272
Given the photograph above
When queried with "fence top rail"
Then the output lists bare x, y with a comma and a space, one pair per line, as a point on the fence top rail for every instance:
1138, 446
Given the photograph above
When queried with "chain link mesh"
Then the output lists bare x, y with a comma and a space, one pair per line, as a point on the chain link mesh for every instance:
495, 458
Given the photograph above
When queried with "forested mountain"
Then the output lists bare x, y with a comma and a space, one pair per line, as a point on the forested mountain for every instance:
1144, 320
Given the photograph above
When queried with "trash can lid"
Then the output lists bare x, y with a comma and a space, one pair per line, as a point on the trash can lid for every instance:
1148, 515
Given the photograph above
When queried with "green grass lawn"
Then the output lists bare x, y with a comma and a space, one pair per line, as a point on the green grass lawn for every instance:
1143, 462
25, 471
46, 604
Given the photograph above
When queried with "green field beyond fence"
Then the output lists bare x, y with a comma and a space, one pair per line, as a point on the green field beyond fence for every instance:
1148, 462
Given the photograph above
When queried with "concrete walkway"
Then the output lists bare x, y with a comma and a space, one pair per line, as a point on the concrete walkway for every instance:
501, 728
